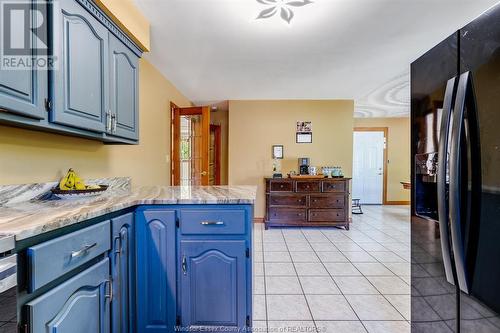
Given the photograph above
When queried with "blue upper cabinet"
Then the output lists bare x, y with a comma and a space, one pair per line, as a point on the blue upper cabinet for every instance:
79, 305
80, 87
213, 283
124, 93
23, 90
122, 273
156, 257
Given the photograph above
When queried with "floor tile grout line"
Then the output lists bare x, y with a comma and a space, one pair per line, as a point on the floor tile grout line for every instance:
302, 288
342, 293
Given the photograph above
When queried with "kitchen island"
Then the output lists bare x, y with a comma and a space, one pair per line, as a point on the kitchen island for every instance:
135, 259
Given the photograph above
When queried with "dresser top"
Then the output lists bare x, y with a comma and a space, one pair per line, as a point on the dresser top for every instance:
308, 178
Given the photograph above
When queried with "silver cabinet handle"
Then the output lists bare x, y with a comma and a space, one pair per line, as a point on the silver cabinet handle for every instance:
184, 265
212, 223
118, 247
110, 294
108, 121
83, 251
113, 116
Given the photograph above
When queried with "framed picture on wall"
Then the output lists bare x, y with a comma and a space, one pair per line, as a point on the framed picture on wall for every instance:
304, 138
278, 152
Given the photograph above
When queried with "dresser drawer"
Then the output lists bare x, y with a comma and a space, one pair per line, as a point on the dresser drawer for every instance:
303, 186
281, 186
319, 215
52, 259
290, 214
298, 200
333, 186
327, 201
212, 222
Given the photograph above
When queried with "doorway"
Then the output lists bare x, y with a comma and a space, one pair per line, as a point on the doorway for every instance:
190, 146
369, 183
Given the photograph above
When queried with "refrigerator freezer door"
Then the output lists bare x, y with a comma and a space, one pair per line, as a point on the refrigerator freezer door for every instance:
480, 54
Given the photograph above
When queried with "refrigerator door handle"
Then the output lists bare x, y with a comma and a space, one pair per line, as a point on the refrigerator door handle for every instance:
443, 208
465, 129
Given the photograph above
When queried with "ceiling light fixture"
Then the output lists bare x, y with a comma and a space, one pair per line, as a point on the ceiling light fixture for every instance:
285, 7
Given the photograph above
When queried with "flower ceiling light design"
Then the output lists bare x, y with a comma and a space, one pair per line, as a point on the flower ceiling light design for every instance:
285, 7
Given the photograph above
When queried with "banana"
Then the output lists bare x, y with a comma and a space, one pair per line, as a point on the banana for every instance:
67, 182
73, 182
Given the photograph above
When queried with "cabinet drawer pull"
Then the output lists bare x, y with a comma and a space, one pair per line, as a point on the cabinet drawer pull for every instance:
110, 294
184, 265
83, 251
212, 223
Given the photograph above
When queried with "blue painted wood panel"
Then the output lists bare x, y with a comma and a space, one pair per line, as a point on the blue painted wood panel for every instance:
156, 257
213, 283
123, 272
23, 91
124, 93
80, 87
79, 305
52, 259
212, 221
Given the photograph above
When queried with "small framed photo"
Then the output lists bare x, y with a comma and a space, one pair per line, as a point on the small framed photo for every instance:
304, 138
278, 152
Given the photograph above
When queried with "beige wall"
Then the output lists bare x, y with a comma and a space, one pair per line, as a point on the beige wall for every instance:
29, 156
398, 154
128, 17
254, 126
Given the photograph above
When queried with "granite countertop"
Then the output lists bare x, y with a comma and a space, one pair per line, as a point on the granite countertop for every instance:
35, 216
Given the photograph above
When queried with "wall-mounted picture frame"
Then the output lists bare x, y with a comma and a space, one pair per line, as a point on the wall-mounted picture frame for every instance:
278, 152
304, 127
304, 138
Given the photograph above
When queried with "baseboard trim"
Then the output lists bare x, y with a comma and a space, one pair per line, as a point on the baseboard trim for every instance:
397, 203
258, 220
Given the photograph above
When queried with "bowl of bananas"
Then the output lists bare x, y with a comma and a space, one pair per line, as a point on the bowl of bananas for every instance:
72, 186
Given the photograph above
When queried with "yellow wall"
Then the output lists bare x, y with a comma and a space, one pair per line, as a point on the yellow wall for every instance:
29, 156
398, 153
128, 17
254, 126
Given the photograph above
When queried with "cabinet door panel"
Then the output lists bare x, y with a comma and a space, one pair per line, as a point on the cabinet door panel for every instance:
156, 292
213, 283
122, 271
81, 83
23, 91
124, 89
79, 305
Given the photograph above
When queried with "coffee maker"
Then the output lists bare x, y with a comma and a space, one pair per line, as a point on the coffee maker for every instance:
304, 165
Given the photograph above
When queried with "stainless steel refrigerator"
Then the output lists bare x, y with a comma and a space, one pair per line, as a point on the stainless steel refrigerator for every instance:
455, 227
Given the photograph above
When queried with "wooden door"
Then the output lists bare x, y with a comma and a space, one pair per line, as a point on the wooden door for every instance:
123, 272
124, 96
156, 257
215, 155
191, 146
80, 86
213, 283
79, 305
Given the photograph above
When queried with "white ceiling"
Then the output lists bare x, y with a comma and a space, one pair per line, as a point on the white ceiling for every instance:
215, 50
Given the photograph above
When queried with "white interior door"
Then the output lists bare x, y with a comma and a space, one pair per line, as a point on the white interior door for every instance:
368, 168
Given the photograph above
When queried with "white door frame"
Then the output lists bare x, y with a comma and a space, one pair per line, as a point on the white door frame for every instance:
385, 130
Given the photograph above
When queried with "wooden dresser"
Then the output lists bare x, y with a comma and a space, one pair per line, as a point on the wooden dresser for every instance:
308, 202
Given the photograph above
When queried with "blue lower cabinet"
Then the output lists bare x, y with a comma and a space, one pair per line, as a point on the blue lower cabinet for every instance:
79, 305
156, 258
122, 273
213, 283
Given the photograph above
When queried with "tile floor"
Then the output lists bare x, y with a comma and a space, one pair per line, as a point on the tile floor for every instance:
332, 280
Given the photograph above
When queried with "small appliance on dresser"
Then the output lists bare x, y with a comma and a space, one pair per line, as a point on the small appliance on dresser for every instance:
304, 165
8, 285
455, 224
